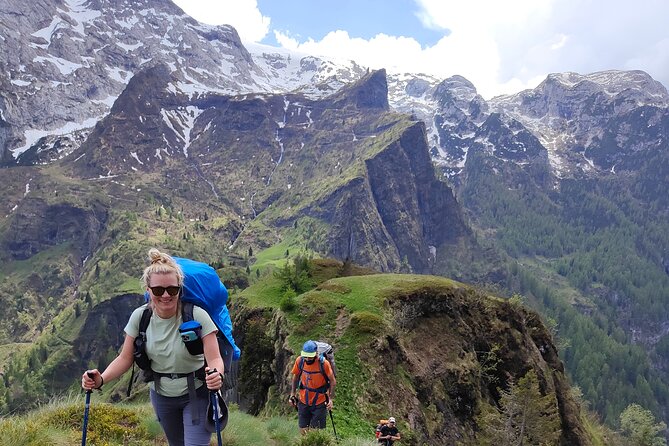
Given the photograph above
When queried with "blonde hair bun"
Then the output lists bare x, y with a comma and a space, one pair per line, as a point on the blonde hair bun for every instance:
161, 263
156, 256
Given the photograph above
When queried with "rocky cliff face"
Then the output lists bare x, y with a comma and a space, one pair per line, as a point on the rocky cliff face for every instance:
37, 226
571, 116
449, 381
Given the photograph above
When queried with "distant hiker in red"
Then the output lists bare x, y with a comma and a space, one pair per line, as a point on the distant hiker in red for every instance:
389, 434
180, 386
312, 375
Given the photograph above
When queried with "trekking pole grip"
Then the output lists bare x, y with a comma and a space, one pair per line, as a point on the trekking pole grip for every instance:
91, 375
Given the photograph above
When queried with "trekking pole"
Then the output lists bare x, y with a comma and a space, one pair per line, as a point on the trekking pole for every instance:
333, 426
86, 408
214, 402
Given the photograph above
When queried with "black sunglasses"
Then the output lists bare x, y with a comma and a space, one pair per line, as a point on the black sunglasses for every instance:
160, 290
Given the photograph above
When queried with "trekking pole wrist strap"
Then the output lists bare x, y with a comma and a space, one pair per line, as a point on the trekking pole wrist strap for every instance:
102, 383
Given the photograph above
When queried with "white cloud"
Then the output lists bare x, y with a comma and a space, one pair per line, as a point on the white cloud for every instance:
479, 32
243, 15
466, 51
382, 51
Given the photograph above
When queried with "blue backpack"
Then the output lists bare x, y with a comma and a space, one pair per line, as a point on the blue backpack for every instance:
203, 287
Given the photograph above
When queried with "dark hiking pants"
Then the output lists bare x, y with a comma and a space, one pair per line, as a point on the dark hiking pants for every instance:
175, 415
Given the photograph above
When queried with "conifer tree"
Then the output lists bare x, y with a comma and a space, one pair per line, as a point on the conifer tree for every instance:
525, 417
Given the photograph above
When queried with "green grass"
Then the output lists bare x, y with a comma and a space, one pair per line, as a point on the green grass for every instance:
59, 423
367, 293
264, 293
68, 326
361, 298
275, 256
22, 269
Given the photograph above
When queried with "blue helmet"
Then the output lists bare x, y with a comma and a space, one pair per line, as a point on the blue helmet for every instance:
309, 349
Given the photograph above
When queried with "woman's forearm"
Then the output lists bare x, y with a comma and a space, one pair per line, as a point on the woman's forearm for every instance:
212, 354
116, 368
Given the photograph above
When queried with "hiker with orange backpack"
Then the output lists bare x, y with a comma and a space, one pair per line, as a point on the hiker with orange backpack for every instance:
313, 377
388, 433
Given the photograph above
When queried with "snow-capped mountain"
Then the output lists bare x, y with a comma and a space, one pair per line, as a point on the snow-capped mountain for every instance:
569, 114
566, 114
64, 62
289, 71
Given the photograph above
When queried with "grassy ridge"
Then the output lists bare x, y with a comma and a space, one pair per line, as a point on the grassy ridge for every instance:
349, 313
60, 422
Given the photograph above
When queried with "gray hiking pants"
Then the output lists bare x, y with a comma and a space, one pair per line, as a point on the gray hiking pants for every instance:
175, 416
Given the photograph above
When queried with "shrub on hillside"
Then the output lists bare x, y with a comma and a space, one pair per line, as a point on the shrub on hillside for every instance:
315, 438
287, 302
106, 423
365, 322
296, 276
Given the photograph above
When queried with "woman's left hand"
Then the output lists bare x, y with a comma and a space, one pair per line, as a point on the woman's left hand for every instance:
214, 379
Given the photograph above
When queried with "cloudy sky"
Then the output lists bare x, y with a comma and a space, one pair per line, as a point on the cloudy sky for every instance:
501, 46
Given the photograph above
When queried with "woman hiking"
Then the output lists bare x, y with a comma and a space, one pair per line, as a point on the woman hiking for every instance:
181, 383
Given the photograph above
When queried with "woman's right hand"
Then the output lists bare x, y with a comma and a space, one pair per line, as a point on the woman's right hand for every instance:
91, 379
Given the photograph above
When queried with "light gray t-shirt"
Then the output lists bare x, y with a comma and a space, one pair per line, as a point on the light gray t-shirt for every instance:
167, 351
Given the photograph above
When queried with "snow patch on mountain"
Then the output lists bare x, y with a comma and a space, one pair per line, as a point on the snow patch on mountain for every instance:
181, 122
134, 155
81, 14
33, 135
48, 31
128, 48
65, 67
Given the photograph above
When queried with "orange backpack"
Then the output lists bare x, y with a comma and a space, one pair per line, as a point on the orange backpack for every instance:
379, 426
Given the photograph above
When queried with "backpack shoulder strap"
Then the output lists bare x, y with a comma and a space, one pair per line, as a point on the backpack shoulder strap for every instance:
187, 311
321, 363
300, 365
144, 321
139, 353
321, 366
